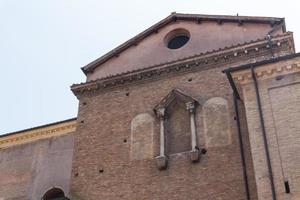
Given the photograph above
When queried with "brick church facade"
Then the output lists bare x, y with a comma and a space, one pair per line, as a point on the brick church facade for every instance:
195, 107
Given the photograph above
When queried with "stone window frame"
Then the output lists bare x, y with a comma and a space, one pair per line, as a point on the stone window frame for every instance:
175, 34
161, 111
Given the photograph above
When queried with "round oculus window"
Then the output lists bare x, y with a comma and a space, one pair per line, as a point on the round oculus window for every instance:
177, 38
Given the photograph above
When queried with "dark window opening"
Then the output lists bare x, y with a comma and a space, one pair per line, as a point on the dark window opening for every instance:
178, 41
55, 194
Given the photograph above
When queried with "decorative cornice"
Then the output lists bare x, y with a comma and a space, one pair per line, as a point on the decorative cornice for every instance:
221, 57
34, 134
267, 71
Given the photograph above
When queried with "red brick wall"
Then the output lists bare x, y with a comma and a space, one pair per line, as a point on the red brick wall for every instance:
100, 146
178, 136
118, 138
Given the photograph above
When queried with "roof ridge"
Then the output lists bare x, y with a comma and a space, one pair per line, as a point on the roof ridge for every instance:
225, 16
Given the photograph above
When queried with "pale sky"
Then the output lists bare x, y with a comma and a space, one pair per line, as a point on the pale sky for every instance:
44, 43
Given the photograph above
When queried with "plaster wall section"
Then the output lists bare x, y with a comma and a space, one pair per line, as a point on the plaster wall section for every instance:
27, 171
204, 37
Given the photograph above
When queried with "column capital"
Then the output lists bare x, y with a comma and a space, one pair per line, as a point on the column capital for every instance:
161, 113
190, 106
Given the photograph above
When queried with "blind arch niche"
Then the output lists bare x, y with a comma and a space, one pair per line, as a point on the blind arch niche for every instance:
176, 113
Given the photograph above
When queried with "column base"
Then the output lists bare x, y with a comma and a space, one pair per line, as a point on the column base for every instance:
161, 162
195, 155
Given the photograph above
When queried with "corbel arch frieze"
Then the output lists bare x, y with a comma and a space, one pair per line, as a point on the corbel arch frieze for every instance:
267, 71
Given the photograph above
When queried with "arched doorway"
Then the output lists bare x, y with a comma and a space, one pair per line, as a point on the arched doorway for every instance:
55, 194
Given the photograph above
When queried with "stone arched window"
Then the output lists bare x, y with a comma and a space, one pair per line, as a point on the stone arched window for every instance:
55, 194
176, 113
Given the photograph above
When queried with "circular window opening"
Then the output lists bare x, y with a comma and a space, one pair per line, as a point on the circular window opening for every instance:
177, 38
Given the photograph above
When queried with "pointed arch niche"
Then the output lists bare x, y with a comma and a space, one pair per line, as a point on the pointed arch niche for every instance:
176, 113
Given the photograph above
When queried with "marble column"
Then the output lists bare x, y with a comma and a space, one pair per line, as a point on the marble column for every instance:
195, 152
161, 160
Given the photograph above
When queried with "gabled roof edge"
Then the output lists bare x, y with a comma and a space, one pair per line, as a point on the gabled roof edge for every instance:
173, 17
170, 97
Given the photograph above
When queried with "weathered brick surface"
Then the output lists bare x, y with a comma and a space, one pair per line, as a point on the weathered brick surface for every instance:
178, 136
112, 161
100, 144
247, 150
279, 98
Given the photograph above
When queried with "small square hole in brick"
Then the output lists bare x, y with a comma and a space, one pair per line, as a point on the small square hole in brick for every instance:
278, 78
287, 187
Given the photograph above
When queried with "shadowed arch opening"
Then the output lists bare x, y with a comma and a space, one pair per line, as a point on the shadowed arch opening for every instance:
176, 113
55, 194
